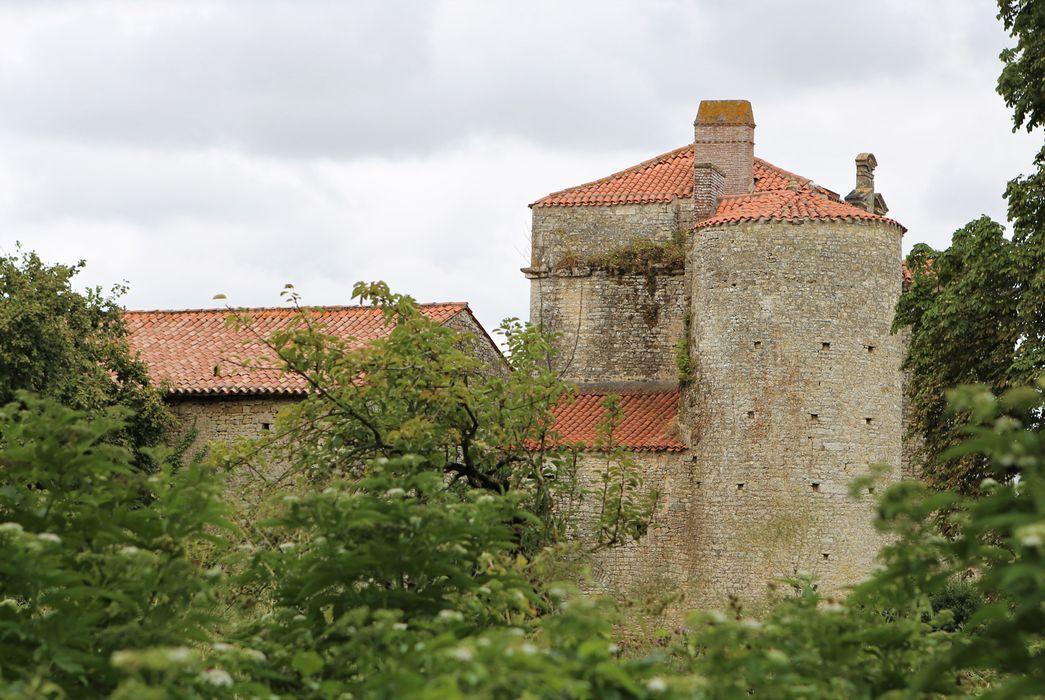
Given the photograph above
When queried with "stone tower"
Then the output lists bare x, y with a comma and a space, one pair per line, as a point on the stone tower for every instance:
798, 384
783, 307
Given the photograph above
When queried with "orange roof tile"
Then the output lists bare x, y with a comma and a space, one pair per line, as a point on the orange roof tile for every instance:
194, 353
670, 175
802, 204
648, 424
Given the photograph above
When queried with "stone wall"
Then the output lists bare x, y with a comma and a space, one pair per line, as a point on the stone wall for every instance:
222, 419
663, 558
612, 327
564, 233
798, 391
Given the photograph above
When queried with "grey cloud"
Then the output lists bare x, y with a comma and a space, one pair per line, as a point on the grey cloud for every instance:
337, 79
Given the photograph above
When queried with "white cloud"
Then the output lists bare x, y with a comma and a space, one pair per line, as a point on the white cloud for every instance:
202, 147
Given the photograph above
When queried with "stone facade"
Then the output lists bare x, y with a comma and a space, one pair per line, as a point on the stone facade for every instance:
223, 419
612, 327
798, 391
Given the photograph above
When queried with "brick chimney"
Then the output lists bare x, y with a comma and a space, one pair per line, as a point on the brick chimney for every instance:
864, 196
709, 182
724, 137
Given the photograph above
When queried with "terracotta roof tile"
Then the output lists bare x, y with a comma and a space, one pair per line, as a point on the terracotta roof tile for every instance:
670, 175
648, 425
803, 204
195, 353
659, 179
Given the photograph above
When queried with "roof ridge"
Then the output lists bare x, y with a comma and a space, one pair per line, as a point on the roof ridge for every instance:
655, 160
334, 307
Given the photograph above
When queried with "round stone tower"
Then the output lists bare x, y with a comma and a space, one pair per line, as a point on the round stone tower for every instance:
796, 377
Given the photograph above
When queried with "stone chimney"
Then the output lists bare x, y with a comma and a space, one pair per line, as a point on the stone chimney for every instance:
864, 195
724, 137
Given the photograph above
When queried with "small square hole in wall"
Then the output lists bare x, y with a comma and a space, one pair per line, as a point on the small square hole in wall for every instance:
825, 555
870, 348
266, 426
868, 420
825, 346
815, 485
814, 417
758, 344
750, 414
740, 486
870, 489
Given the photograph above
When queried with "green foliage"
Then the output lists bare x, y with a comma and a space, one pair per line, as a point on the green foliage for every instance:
683, 361
966, 298
626, 506
92, 551
643, 256
1020, 81
72, 347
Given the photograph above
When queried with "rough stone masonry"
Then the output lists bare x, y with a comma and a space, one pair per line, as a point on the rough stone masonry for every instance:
784, 307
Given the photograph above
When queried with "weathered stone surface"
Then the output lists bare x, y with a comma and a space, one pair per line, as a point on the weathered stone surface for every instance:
798, 392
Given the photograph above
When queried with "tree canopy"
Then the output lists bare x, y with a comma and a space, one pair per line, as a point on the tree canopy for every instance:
71, 346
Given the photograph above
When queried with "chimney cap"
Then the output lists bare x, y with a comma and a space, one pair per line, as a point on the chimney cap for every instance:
724, 113
867, 158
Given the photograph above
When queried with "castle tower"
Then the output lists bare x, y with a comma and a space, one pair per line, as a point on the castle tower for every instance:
782, 306
797, 377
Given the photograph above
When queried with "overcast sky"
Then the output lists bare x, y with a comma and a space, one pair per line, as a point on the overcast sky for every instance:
193, 148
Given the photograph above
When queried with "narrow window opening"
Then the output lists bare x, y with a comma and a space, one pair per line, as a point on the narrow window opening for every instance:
815, 485
825, 555
758, 344
740, 486
868, 420
814, 417
825, 346
266, 426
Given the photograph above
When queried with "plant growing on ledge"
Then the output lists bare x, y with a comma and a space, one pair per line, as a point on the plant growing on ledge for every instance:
643, 256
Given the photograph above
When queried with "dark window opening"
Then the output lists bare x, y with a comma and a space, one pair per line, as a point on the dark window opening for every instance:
825, 346
266, 426
740, 486
815, 485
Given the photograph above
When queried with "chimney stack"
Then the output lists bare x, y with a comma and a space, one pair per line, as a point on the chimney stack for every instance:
864, 196
724, 137
709, 182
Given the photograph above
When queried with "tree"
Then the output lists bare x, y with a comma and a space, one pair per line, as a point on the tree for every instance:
977, 310
72, 347
422, 392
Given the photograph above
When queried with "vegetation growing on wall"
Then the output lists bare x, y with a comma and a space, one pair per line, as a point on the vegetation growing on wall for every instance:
683, 361
642, 256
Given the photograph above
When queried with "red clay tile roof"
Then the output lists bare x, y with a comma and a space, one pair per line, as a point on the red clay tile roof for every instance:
802, 204
659, 179
648, 425
670, 175
183, 348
